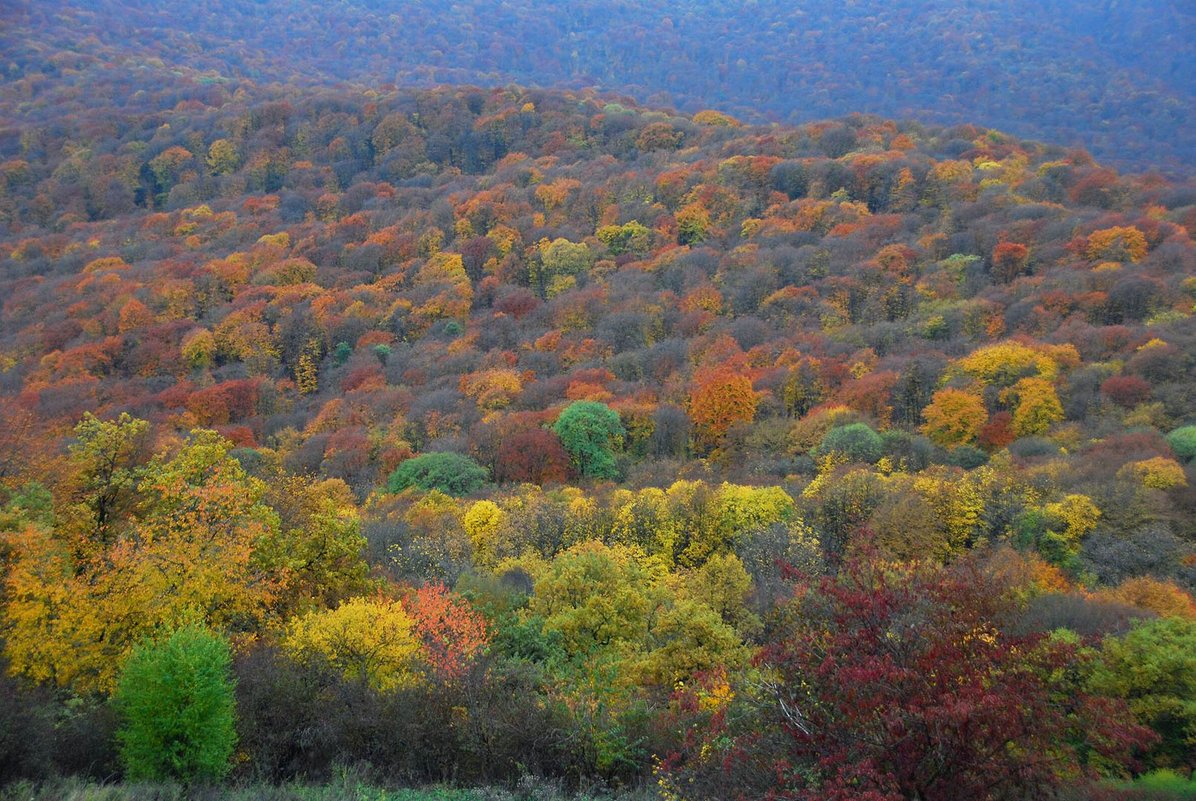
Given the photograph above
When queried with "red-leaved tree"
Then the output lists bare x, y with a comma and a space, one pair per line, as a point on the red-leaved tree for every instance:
533, 456
452, 633
896, 683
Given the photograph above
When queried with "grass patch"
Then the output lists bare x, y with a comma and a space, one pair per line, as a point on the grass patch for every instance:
346, 788
1158, 785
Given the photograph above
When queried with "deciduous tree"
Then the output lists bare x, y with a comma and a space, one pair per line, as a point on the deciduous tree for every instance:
175, 697
592, 433
954, 417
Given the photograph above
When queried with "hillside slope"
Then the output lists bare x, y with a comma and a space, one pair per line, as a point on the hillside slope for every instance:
508, 433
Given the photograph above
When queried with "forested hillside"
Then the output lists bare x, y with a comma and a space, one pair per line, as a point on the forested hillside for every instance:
487, 433
1117, 78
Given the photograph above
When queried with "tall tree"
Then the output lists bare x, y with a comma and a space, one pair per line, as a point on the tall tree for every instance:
592, 433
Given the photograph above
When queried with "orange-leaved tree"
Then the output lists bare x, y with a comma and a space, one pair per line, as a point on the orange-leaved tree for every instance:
954, 417
719, 399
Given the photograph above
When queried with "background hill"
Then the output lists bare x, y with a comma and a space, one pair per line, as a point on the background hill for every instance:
1117, 78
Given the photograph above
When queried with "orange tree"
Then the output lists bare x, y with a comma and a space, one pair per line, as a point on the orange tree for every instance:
720, 399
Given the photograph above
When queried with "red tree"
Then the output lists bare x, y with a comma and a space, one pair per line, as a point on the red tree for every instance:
997, 433
451, 631
897, 683
1009, 260
534, 456
1126, 390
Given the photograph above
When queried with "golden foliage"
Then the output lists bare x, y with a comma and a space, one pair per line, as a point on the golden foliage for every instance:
368, 639
1164, 598
1158, 472
1120, 243
954, 417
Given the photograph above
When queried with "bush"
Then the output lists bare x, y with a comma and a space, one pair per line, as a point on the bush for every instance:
967, 457
1167, 781
857, 441
451, 473
305, 722
1183, 442
24, 732
1033, 448
43, 733
175, 698
912, 452
1115, 554
1088, 616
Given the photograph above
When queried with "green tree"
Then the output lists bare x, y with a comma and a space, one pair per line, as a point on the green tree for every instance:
1183, 442
175, 699
451, 473
1153, 667
591, 432
857, 441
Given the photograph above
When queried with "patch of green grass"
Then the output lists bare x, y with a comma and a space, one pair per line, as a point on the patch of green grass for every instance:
1165, 785
345, 788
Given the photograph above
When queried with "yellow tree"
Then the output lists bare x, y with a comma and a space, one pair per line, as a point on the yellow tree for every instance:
198, 348
223, 157
318, 545
1004, 363
724, 585
188, 555
482, 523
954, 417
307, 368
99, 494
1038, 407
371, 640
597, 596
688, 637
1120, 243
492, 389
642, 519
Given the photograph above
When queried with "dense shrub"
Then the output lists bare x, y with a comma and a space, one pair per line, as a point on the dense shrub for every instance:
1183, 442
175, 698
856, 441
301, 721
450, 473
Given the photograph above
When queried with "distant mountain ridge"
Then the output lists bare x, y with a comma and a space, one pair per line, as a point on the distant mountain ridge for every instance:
1116, 78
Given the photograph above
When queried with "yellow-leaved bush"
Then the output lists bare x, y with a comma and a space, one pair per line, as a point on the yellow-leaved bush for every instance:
371, 640
1158, 472
615, 605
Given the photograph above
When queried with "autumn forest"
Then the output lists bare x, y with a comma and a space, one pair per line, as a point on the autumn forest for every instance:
375, 431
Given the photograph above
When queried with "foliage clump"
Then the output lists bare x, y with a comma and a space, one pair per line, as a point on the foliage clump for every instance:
175, 698
448, 472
